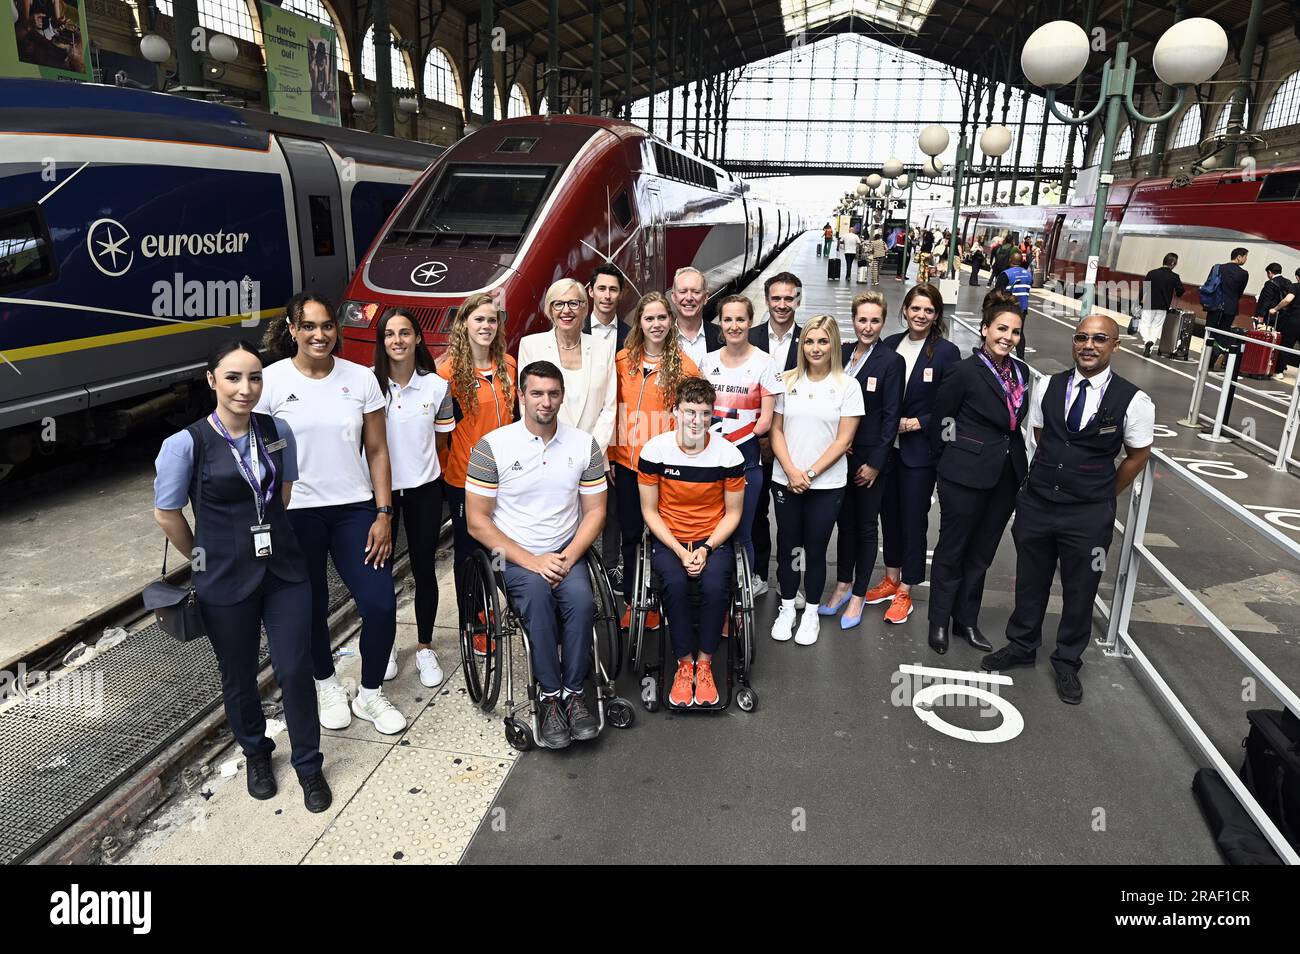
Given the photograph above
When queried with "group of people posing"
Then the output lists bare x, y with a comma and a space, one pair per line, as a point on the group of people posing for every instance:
602, 429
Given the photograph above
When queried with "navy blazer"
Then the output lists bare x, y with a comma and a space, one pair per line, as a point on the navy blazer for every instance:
975, 452
758, 338
881, 378
621, 329
918, 398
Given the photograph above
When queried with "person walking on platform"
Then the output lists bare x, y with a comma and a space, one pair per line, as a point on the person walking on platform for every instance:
1287, 312
1159, 289
879, 372
876, 252
343, 501
923, 258
828, 236
481, 376
237, 470
779, 337
811, 432
851, 243
1276, 287
746, 384
1002, 250
910, 474
420, 423
976, 260
1017, 280
1221, 299
1065, 511
650, 368
696, 336
980, 450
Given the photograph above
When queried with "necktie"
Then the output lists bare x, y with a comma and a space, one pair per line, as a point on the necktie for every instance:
1074, 420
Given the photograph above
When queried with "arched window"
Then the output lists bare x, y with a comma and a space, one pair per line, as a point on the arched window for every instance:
518, 105
441, 83
322, 13
401, 67
1189, 129
1221, 126
1125, 148
1148, 140
1284, 107
476, 96
231, 17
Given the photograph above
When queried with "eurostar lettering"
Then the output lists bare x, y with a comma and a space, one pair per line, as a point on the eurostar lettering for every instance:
74, 907
210, 243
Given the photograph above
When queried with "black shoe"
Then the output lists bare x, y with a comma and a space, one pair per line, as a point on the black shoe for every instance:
555, 727
583, 726
939, 638
973, 636
1146, 350
1069, 688
316, 795
1005, 658
261, 781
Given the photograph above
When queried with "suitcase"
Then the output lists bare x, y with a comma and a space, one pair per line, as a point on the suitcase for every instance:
1271, 769
1258, 361
864, 274
1176, 334
1236, 835
833, 265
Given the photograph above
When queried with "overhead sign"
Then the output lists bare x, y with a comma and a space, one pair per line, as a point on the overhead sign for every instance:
44, 39
302, 74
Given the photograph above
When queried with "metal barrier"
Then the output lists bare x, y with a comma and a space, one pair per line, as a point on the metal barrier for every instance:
1118, 641
1284, 453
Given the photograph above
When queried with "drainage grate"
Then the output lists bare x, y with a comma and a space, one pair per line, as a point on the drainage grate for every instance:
74, 739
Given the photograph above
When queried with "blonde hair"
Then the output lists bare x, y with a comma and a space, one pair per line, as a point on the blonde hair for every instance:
800, 370
670, 362
559, 289
462, 356
870, 298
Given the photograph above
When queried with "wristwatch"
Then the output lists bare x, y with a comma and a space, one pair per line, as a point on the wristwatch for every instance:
707, 546
812, 474
385, 509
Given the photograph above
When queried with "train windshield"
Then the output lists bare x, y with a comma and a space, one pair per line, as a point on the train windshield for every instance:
476, 206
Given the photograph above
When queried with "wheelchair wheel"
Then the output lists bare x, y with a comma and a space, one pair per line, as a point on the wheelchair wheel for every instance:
609, 640
746, 699
621, 713
743, 610
518, 735
482, 620
640, 606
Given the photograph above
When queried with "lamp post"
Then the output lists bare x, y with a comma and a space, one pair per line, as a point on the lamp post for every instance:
1190, 52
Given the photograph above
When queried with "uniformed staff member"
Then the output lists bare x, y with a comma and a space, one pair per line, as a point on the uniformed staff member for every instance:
977, 441
1066, 510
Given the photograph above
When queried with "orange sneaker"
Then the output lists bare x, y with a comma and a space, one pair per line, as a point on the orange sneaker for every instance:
883, 591
706, 691
900, 608
652, 620
682, 694
626, 621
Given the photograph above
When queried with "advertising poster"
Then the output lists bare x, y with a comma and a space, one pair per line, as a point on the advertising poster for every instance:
302, 77
44, 39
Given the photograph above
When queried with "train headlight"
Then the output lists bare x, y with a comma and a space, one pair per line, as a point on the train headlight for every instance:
358, 314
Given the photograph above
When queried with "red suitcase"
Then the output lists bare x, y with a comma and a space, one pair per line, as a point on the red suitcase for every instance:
1258, 361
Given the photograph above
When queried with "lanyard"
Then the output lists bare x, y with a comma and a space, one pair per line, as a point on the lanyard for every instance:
253, 476
1069, 390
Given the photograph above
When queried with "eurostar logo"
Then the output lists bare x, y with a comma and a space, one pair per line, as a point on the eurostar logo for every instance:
430, 273
105, 240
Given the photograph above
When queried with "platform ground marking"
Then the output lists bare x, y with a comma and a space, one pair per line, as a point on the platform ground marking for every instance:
1013, 723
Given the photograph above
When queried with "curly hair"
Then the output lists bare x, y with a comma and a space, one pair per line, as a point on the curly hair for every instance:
461, 355
670, 364
278, 339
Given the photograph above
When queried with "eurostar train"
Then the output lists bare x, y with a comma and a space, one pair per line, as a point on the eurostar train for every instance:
137, 229
521, 203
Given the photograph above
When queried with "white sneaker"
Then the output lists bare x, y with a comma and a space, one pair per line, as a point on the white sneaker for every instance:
782, 628
391, 671
809, 627
426, 660
332, 704
799, 601
760, 587
379, 711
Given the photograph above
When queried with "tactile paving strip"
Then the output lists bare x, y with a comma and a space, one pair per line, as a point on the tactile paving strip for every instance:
454, 724
65, 746
420, 806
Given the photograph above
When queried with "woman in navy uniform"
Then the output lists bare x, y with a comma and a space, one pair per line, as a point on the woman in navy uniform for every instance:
909, 478
981, 463
237, 470
879, 372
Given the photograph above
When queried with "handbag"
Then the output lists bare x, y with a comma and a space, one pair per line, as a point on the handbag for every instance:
175, 607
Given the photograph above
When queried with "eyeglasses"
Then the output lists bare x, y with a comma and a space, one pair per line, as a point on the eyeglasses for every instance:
1097, 338
566, 305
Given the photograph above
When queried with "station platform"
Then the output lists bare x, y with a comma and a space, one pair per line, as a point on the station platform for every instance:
834, 765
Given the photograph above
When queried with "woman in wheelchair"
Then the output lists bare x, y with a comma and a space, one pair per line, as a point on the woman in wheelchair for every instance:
692, 493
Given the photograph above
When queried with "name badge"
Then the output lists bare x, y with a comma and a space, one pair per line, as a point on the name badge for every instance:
1110, 430
927, 374
274, 446
261, 540
871, 384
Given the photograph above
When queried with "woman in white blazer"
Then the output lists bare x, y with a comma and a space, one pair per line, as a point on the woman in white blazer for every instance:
590, 381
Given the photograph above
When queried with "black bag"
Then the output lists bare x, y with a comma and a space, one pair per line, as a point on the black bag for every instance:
1236, 835
1272, 768
833, 264
175, 607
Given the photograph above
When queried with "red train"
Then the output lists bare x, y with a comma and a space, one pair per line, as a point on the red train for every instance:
1145, 218
521, 203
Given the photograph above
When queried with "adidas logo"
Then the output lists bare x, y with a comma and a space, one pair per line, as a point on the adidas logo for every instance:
291, 397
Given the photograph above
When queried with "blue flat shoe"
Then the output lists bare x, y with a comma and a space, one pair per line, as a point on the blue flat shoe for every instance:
830, 609
850, 622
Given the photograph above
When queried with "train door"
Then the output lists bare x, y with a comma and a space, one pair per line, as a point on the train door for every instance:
319, 206
1050, 246
761, 246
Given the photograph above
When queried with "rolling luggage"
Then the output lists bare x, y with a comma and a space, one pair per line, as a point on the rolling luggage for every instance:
1258, 361
1176, 335
864, 274
833, 265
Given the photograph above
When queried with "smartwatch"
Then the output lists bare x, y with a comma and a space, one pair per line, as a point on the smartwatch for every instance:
385, 509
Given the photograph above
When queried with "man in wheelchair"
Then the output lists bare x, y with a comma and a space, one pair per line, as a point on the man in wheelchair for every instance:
535, 499
692, 493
